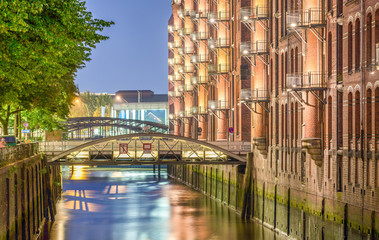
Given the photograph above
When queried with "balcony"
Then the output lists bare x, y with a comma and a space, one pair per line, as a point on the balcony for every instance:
218, 69
200, 58
221, 16
197, 80
304, 19
180, 51
189, 50
219, 43
180, 13
251, 14
180, 114
377, 57
172, 28
306, 81
218, 105
175, 44
175, 77
254, 95
188, 31
174, 94
189, 13
175, 61
199, 111
185, 88
189, 68
199, 36
178, 61
254, 48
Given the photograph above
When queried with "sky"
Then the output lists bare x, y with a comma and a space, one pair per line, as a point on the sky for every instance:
135, 55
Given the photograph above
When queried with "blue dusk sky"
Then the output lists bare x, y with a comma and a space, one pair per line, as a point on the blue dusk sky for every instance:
135, 55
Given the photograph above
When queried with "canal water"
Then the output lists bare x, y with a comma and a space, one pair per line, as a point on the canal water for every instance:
135, 204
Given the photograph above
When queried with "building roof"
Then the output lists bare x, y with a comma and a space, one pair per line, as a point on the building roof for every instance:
132, 96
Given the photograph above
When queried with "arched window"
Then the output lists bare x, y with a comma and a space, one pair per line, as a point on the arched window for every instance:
369, 114
292, 123
350, 118
357, 117
283, 71
369, 40
330, 125
292, 61
357, 49
285, 68
350, 47
282, 137
296, 60
329, 54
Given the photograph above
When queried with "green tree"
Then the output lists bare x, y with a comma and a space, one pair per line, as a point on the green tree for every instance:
42, 45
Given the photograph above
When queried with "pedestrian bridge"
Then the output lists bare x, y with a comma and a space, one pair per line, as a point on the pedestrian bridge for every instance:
109, 126
139, 148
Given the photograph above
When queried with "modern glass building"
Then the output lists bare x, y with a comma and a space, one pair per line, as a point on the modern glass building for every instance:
141, 105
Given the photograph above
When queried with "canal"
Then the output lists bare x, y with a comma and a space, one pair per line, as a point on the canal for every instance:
120, 203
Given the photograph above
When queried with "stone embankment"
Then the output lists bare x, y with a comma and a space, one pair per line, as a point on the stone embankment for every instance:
29, 190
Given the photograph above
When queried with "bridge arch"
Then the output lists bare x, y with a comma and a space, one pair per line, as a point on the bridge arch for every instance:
133, 125
164, 149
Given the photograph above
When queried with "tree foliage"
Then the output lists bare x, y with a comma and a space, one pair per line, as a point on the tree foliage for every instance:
89, 105
42, 45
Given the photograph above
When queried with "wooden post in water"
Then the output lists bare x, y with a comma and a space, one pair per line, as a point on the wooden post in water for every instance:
154, 168
247, 186
159, 171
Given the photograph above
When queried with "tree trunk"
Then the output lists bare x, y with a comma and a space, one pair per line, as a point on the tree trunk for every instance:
15, 126
4, 125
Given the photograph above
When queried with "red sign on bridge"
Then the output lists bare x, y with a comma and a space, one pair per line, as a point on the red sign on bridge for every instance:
123, 148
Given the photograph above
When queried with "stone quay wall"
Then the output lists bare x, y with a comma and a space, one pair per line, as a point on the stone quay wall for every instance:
29, 190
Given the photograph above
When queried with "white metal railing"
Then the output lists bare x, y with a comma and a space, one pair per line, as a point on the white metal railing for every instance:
257, 47
199, 80
218, 16
306, 80
199, 36
175, 77
249, 14
219, 68
306, 18
254, 95
218, 43
200, 58
218, 104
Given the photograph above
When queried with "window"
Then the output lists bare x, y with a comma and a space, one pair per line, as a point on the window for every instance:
283, 71
369, 114
329, 54
292, 61
350, 119
296, 60
357, 49
330, 124
369, 40
350, 47
357, 115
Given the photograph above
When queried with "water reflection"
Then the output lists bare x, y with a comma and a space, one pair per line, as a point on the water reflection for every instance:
137, 205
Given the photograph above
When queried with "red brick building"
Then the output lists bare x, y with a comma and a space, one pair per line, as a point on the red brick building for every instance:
300, 81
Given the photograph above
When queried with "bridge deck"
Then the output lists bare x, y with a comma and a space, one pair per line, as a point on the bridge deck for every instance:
152, 148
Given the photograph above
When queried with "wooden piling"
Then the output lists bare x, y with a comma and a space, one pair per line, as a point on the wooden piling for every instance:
247, 186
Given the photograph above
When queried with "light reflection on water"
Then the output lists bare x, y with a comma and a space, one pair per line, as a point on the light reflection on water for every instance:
136, 205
